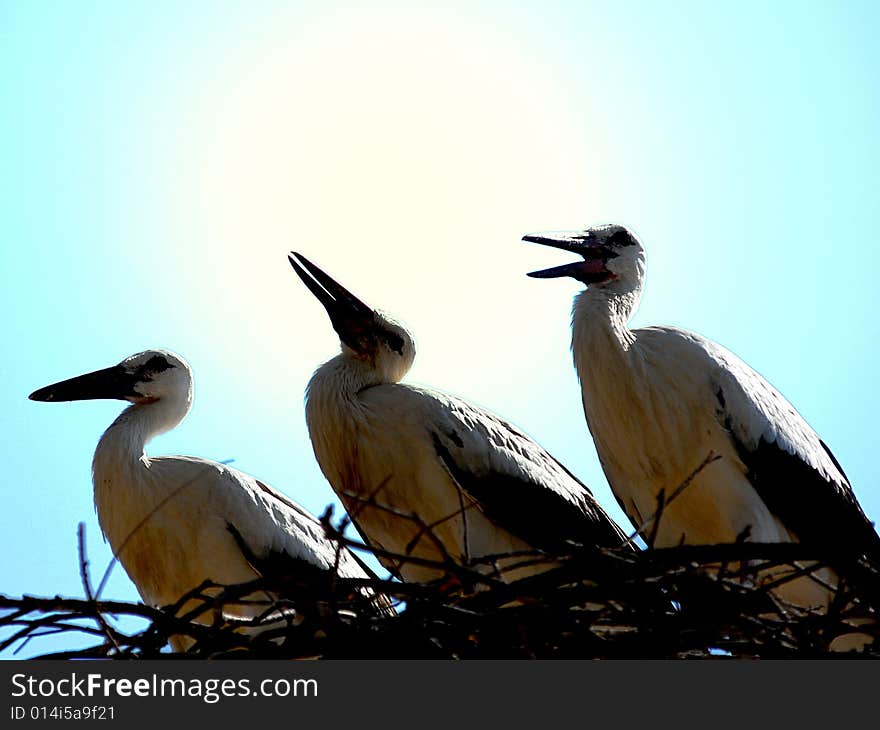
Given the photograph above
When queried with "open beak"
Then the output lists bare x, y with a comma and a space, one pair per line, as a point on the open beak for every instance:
110, 383
592, 270
351, 318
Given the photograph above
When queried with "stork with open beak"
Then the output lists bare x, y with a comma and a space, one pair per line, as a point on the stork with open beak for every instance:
177, 521
427, 475
658, 400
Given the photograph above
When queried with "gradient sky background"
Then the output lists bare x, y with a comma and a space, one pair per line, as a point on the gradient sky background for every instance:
159, 161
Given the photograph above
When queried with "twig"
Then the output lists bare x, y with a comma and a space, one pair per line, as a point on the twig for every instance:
676, 493
87, 585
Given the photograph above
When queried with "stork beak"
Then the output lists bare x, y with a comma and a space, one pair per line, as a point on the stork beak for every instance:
591, 270
573, 241
110, 383
351, 318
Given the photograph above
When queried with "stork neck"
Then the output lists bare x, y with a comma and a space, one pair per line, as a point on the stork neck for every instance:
351, 375
335, 415
605, 310
338, 381
599, 322
122, 444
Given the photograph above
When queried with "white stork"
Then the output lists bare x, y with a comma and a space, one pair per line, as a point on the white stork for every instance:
428, 475
177, 521
658, 400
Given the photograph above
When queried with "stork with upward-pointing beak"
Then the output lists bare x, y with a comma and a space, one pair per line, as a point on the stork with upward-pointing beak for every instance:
428, 475
658, 400
177, 521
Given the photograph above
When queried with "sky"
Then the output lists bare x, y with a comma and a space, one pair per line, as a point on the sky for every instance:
160, 159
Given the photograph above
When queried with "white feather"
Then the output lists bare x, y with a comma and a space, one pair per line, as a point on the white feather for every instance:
377, 443
659, 400
168, 518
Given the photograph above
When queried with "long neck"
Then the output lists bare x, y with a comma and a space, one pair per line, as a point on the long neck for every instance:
120, 451
334, 414
334, 387
600, 336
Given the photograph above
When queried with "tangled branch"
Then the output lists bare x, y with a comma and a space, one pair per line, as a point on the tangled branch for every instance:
685, 601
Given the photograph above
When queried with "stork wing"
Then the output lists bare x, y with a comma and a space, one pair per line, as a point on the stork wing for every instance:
515, 482
268, 527
278, 563
789, 466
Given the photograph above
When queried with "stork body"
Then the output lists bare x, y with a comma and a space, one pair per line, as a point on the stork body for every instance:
659, 400
428, 475
177, 521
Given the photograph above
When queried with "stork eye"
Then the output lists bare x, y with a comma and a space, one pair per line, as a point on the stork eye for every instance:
394, 342
621, 238
153, 366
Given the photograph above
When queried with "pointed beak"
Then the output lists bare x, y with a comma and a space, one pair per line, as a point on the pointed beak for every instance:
555, 272
573, 241
110, 383
351, 318
591, 270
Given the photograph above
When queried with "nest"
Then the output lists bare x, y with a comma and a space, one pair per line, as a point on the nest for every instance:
681, 602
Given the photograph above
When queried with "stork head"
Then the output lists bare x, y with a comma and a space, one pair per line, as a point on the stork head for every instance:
142, 379
367, 335
613, 258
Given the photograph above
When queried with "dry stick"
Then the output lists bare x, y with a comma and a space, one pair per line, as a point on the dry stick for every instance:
137, 527
798, 571
746, 634
251, 559
741, 537
57, 626
38, 623
232, 594
530, 558
337, 558
31, 604
36, 635
768, 630
781, 552
410, 546
208, 601
379, 602
712, 456
61, 611
778, 630
76, 609
655, 526
355, 513
186, 624
370, 500
448, 564
492, 560
361, 504
87, 585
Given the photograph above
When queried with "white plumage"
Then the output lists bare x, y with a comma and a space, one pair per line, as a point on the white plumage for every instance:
658, 400
176, 521
426, 474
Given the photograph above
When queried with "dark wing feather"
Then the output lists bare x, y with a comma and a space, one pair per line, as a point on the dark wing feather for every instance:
298, 576
280, 564
517, 484
819, 512
790, 467
387, 564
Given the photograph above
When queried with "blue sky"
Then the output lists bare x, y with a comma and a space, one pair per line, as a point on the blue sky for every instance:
159, 161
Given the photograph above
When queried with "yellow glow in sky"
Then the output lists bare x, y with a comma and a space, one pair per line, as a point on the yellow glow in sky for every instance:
407, 169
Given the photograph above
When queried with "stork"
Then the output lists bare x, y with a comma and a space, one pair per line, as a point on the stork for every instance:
427, 475
177, 521
658, 400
